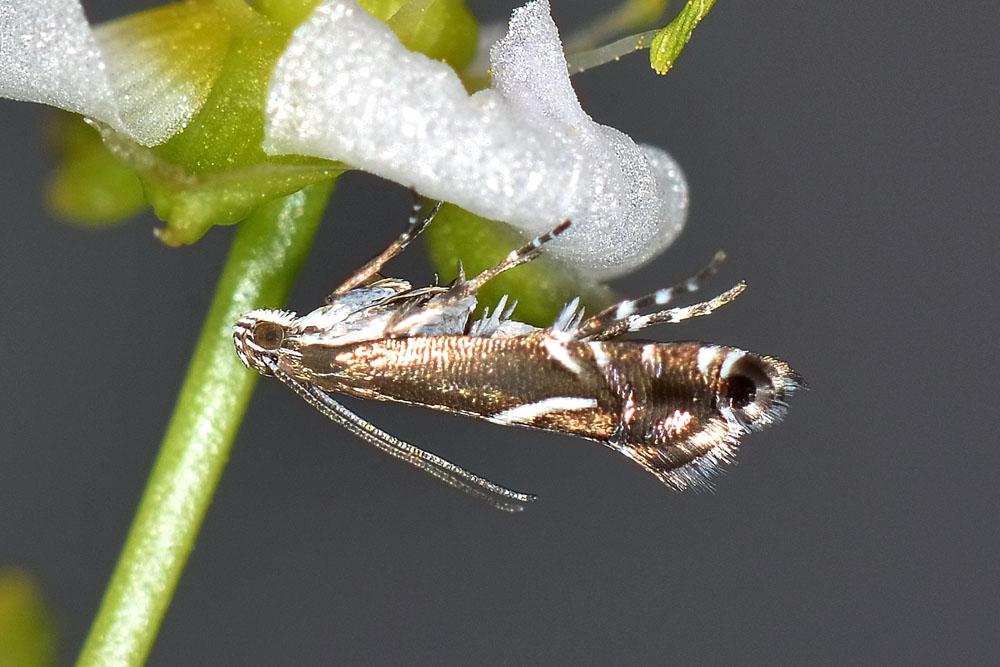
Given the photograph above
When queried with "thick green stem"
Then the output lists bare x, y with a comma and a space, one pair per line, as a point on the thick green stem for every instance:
267, 253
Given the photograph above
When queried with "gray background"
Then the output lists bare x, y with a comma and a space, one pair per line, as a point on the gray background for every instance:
843, 153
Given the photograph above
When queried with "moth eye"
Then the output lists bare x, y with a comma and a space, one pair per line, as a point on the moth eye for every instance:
268, 335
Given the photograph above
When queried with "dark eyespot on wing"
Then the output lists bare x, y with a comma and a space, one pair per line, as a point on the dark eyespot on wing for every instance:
693, 416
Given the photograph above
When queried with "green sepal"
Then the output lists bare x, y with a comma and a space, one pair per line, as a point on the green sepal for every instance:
191, 203
669, 42
289, 13
89, 186
440, 29
542, 287
27, 632
215, 170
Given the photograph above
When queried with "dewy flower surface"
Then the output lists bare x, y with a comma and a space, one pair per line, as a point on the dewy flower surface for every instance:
522, 151
50, 54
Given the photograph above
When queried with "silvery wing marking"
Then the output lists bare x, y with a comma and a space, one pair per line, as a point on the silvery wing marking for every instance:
677, 409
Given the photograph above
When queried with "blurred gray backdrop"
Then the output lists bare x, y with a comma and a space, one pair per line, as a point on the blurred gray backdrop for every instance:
846, 158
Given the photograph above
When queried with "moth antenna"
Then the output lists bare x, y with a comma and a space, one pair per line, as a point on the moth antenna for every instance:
515, 258
622, 317
417, 224
694, 283
455, 476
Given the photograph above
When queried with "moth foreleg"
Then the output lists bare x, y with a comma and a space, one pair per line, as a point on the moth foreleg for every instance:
455, 476
417, 223
515, 258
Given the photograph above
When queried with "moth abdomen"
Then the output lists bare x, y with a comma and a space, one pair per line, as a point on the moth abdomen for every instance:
685, 412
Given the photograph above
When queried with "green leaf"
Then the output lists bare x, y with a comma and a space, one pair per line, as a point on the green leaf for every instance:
27, 635
542, 287
669, 42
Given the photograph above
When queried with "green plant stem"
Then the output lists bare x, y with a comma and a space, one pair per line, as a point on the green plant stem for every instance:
267, 253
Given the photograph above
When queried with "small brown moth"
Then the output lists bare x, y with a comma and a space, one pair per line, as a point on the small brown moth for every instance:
677, 409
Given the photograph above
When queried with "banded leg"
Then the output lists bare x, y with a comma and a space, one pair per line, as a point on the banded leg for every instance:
624, 317
417, 224
618, 323
464, 288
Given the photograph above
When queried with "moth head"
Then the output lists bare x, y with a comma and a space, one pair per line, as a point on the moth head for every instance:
259, 335
751, 390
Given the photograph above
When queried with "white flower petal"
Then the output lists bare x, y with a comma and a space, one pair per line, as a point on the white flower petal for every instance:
523, 152
48, 54
162, 67
122, 73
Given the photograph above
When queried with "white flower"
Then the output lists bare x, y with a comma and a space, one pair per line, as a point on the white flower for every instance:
522, 151
50, 54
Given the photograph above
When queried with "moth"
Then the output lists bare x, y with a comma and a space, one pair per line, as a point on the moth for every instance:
677, 409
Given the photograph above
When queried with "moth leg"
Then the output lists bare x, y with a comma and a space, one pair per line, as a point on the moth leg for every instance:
464, 288
455, 476
610, 318
624, 316
417, 223
693, 284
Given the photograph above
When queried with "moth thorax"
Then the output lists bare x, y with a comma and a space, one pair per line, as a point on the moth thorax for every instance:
752, 389
258, 337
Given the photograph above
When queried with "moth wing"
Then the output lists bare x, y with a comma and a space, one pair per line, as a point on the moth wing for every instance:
688, 459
